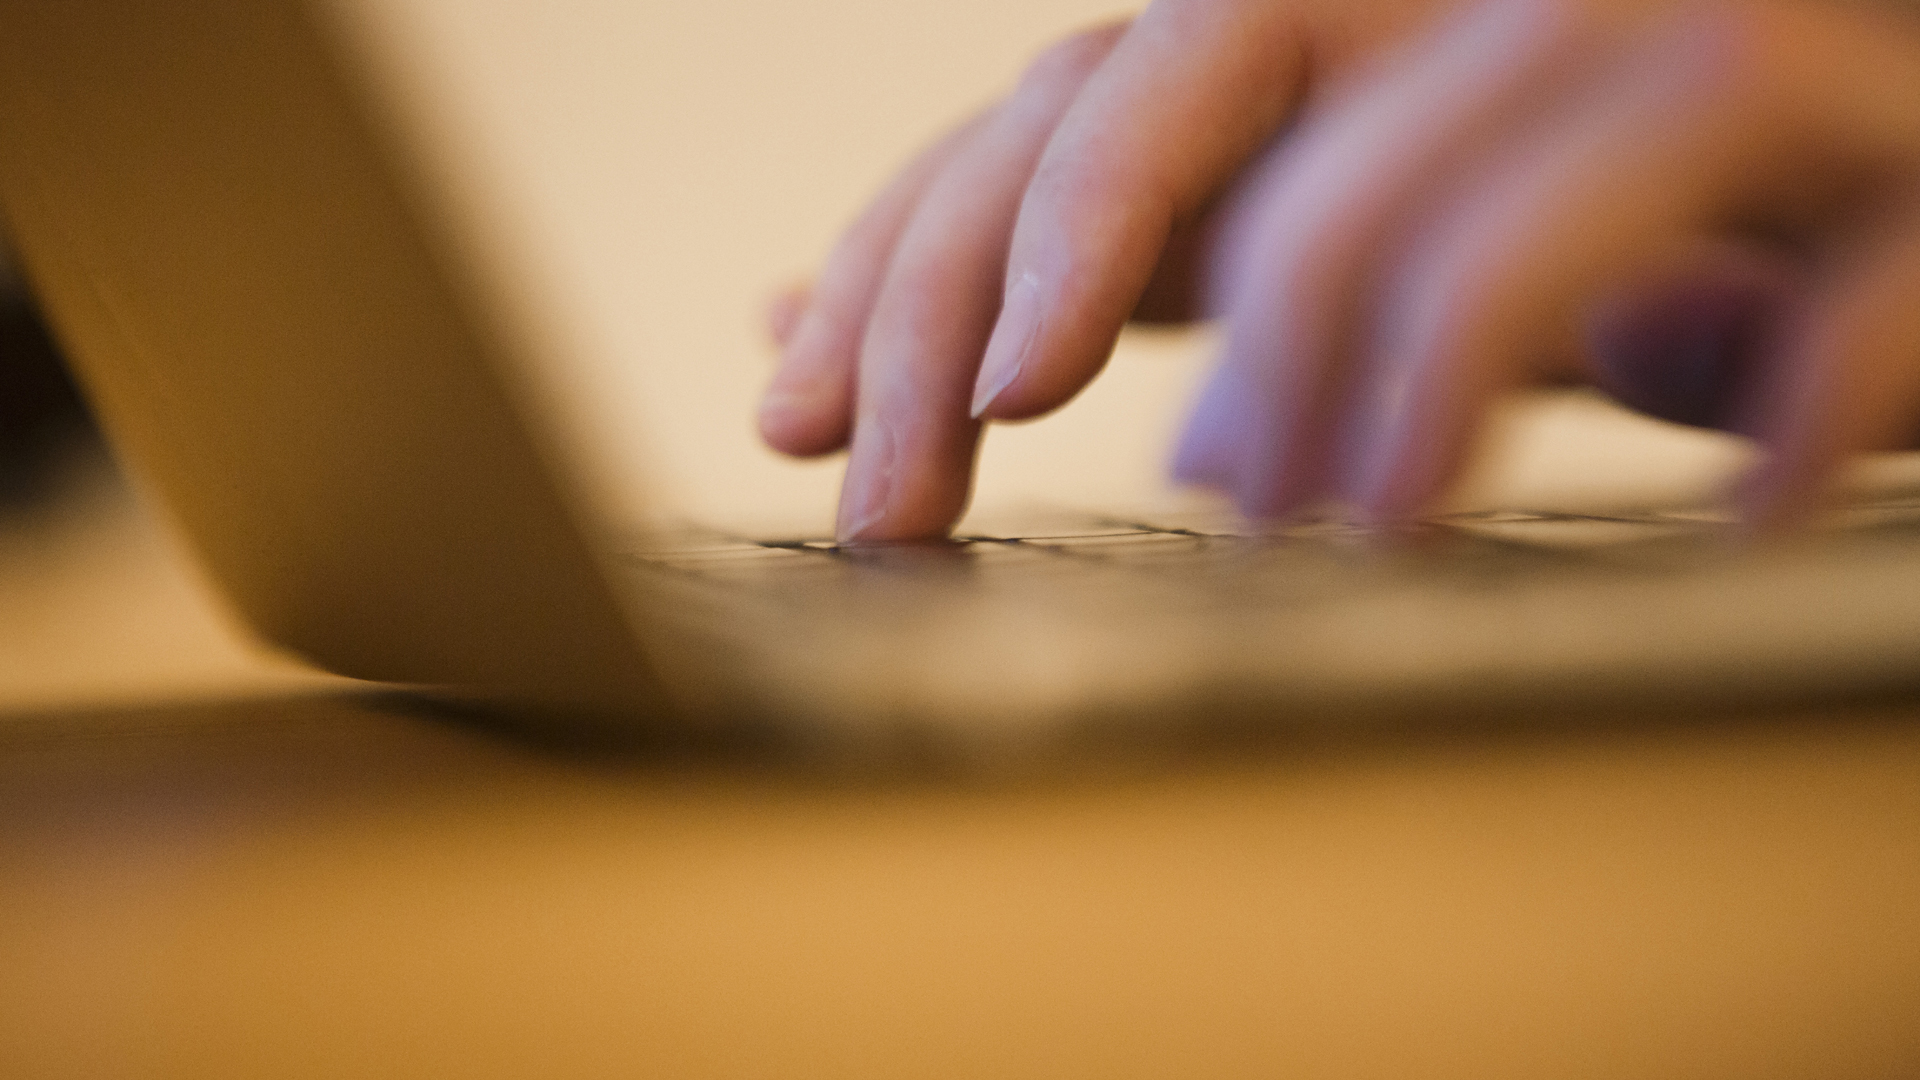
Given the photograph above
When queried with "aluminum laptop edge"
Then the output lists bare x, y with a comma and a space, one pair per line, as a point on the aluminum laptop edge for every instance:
285, 337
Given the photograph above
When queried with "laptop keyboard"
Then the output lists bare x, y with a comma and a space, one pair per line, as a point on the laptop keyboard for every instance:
1130, 540
1203, 561
1064, 613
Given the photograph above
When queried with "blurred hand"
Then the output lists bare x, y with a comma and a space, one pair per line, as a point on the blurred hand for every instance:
1710, 209
1402, 210
1111, 158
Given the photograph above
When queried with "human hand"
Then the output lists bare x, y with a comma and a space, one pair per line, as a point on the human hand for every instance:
1435, 231
1710, 209
1086, 195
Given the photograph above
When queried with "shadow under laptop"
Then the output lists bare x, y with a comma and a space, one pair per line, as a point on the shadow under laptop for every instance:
43, 421
335, 752
353, 810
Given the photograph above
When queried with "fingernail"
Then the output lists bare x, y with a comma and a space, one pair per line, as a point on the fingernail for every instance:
1773, 497
869, 483
1013, 339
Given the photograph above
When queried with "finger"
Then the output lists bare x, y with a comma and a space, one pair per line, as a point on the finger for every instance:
1683, 343
1485, 286
1127, 165
1847, 381
914, 443
807, 409
783, 312
1359, 174
1699, 128
1176, 291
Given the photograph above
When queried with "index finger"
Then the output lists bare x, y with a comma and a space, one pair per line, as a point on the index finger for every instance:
1192, 94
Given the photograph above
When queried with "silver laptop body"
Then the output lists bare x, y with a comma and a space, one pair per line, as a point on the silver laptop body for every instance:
282, 330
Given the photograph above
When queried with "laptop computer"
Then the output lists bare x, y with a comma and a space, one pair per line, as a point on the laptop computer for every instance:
321, 369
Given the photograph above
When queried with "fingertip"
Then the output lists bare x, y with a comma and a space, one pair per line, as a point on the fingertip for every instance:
784, 310
1204, 455
1780, 493
802, 419
1371, 483
807, 408
1197, 464
902, 490
1412, 437
803, 414
866, 493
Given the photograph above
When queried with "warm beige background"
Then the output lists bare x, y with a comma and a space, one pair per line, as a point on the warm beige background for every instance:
653, 170
641, 175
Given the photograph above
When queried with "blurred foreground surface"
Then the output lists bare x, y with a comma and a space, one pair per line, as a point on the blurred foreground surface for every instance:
213, 865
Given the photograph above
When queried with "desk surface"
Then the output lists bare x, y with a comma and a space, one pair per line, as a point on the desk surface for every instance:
296, 881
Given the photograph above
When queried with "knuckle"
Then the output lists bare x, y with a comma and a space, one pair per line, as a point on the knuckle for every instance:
1092, 196
1070, 61
1066, 180
1732, 52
